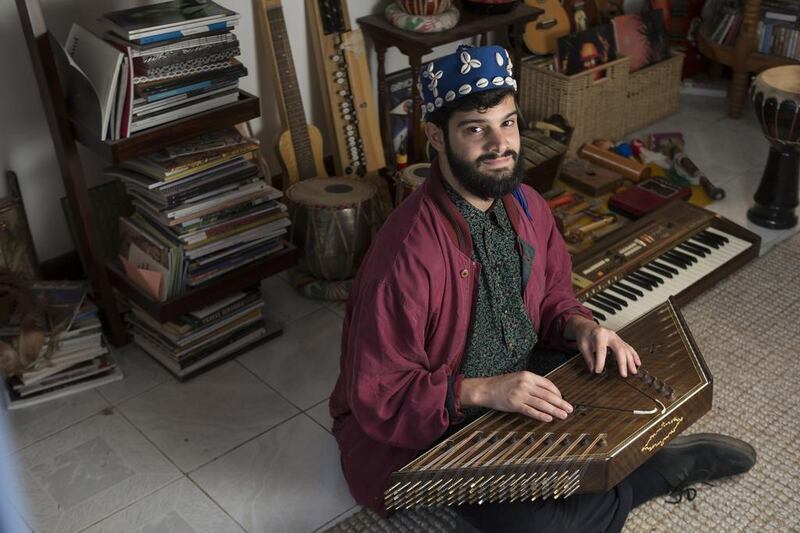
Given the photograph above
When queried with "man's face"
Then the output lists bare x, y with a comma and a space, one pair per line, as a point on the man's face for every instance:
483, 149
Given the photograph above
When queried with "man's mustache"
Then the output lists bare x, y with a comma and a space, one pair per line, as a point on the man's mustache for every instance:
492, 155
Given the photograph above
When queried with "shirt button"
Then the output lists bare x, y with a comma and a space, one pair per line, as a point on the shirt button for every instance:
464, 273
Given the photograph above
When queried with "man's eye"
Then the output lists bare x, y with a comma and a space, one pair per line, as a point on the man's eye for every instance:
475, 129
509, 122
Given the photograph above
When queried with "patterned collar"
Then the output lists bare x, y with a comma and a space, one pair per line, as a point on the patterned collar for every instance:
496, 213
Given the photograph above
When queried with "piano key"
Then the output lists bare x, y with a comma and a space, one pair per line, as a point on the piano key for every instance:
704, 247
629, 288
601, 305
650, 267
707, 241
597, 314
716, 234
652, 278
638, 281
683, 255
711, 237
615, 299
682, 278
665, 266
602, 299
622, 292
670, 258
694, 248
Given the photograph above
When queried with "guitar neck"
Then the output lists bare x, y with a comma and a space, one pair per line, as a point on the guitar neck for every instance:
290, 103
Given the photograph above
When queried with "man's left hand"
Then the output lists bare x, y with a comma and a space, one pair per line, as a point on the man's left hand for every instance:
595, 341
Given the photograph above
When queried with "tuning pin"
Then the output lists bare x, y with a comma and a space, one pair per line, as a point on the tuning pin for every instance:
342, 93
336, 58
340, 81
347, 116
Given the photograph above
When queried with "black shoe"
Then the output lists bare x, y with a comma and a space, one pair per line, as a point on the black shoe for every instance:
702, 457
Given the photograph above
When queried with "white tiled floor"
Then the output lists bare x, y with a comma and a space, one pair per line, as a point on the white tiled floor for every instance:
247, 446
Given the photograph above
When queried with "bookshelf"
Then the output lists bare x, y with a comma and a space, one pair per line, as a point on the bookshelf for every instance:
742, 57
106, 276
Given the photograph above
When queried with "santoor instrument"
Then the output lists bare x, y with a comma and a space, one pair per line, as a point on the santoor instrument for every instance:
617, 424
776, 98
332, 224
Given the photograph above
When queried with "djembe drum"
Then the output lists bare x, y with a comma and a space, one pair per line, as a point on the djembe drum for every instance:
332, 224
408, 179
776, 97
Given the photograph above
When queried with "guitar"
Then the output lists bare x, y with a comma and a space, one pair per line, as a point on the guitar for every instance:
540, 35
299, 147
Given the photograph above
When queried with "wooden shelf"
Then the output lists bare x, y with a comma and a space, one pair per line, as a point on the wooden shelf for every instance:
144, 142
192, 300
756, 62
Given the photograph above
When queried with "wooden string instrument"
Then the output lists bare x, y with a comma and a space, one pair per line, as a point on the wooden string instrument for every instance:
300, 148
540, 35
617, 424
342, 59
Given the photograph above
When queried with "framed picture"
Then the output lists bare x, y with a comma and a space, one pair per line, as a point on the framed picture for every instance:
642, 37
582, 14
399, 86
584, 50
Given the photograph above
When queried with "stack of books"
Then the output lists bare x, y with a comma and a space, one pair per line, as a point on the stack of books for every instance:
72, 360
204, 337
202, 209
779, 29
181, 59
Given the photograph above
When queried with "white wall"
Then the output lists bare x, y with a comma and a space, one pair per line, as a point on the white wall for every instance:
25, 143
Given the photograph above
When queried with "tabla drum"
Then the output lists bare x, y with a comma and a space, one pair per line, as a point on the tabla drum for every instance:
776, 98
408, 179
332, 224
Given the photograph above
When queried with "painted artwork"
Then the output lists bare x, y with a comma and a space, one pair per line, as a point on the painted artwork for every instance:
585, 50
642, 37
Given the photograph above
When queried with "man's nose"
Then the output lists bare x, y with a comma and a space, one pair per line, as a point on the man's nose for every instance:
496, 141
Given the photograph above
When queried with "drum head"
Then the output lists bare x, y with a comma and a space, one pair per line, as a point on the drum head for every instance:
785, 79
415, 174
331, 192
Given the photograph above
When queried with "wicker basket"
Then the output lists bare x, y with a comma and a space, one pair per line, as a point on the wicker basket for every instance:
653, 93
596, 108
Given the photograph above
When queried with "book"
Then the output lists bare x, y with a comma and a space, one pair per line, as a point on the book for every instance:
584, 50
191, 41
193, 108
164, 17
100, 64
642, 37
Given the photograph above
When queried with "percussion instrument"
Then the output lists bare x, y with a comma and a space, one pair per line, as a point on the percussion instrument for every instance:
408, 179
776, 97
617, 424
332, 224
628, 168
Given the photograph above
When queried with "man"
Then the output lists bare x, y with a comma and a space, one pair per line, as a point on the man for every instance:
463, 280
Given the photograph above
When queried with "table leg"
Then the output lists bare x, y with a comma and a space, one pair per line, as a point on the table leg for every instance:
383, 107
416, 138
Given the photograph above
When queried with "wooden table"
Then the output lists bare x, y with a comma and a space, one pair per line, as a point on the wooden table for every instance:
415, 45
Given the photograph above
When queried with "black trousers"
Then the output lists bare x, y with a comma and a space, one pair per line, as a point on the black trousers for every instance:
581, 513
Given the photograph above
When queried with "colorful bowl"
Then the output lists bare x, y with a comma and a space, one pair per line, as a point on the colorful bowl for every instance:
425, 7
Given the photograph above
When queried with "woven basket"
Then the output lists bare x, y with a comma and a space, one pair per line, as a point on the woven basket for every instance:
596, 108
653, 93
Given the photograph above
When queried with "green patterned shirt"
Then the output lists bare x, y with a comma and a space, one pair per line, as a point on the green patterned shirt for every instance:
502, 335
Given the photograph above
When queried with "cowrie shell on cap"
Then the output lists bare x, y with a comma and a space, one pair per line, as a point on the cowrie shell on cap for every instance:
483, 82
498, 80
465, 89
450, 96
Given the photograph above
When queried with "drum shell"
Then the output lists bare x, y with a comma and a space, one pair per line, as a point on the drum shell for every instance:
332, 241
408, 180
777, 112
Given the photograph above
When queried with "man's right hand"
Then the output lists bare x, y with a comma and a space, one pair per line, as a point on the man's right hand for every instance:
521, 392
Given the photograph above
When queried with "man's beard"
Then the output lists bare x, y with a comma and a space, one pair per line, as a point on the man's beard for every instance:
485, 185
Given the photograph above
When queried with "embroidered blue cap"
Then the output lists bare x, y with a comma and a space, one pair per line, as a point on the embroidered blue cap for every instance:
469, 70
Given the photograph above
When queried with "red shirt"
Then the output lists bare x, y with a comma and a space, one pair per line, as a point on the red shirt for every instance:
406, 327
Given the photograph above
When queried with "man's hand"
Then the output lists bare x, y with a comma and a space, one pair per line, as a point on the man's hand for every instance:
595, 341
521, 392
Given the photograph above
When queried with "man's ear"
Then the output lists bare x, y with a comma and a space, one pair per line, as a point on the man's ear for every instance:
435, 136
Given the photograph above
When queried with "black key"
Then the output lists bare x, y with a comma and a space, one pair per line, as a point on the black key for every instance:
664, 266
627, 294
690, 259
721, 238
652, 278
661, 271
698, 246
670, 258
653, 284
614, 299
643, 284
630, 289
601, 305
608, 302
713, 237
598, 314
702, 250
690, 252
708, 242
